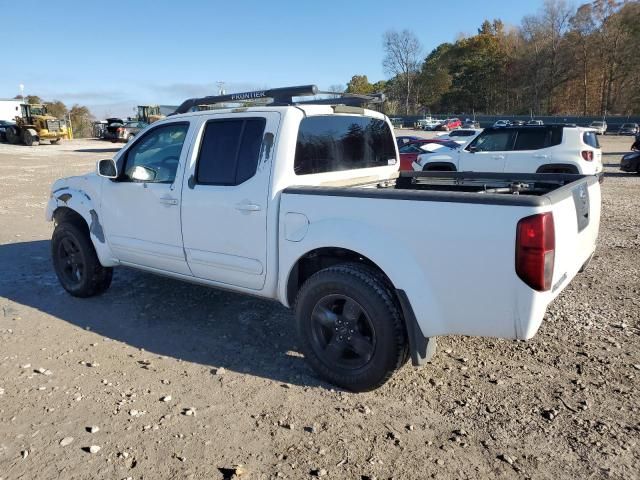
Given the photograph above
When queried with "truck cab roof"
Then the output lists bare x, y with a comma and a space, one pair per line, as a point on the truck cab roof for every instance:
308, 110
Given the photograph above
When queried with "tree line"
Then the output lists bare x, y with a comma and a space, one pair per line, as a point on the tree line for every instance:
80, 116
561, 60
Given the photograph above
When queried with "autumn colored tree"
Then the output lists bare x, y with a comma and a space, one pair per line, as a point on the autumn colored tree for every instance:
560, 60
359, 84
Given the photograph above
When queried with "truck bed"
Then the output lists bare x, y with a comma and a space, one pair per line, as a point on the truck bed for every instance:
448, 240
518, 189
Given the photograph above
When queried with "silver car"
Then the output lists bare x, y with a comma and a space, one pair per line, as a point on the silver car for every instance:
599, 126
129, 130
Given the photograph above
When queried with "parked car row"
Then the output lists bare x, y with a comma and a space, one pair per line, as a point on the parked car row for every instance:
443, 125
429, 123
629, 128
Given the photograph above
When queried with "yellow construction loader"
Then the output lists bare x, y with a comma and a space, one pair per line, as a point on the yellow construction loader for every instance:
35, 125
149, 113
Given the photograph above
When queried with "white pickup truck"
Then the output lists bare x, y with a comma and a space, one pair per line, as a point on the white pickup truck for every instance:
304, 203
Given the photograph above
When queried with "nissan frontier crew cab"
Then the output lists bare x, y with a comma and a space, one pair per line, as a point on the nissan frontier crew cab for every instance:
303, 202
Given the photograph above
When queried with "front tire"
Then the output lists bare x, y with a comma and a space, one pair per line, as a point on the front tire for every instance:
350, 327
76, 263
29, 139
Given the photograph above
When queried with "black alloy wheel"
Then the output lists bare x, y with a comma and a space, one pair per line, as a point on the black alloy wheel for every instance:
342, 332
76, 263
350, 326
70, 262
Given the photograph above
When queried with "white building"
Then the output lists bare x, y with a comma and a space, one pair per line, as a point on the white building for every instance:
9, 109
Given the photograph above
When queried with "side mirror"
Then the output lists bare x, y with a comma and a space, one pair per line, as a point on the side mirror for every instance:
107, 168
472, 149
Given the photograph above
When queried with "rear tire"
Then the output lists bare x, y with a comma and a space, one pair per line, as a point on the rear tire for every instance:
76, 263
350, 327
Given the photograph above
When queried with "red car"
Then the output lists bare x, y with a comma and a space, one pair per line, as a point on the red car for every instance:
410, 151
450, 124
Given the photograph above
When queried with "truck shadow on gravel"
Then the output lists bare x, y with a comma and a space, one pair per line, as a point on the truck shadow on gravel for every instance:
164, 317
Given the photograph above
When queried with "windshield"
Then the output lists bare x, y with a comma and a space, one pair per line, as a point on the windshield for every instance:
628, 125
597, 124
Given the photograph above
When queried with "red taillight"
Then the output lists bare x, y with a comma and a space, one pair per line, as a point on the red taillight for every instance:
535, 250
120, 129
587, 155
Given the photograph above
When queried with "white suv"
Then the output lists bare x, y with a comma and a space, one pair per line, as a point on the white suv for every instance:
522, 149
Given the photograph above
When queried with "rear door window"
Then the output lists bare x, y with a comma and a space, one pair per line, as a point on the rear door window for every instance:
331, 143
229, 151
534, 138
591, 139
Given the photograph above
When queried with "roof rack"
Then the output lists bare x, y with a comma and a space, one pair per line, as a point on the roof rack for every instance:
283, 97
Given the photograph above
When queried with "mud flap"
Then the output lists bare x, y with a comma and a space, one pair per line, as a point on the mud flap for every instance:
422, 349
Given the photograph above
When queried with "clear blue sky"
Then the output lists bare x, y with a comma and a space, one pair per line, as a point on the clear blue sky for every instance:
111, 55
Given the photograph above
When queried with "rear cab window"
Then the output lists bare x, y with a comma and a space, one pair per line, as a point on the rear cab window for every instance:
331, 143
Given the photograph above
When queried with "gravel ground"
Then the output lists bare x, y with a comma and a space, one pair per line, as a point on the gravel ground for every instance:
160, 379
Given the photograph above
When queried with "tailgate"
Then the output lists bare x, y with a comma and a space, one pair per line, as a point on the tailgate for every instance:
576, 214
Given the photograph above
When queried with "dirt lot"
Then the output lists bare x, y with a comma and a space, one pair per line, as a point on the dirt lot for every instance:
563, 405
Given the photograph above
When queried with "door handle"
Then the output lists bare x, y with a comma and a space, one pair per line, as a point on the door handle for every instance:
248, 207
499, 157
168, 201
541, 156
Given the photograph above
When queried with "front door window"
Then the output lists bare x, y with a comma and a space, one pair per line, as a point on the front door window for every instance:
155, 157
